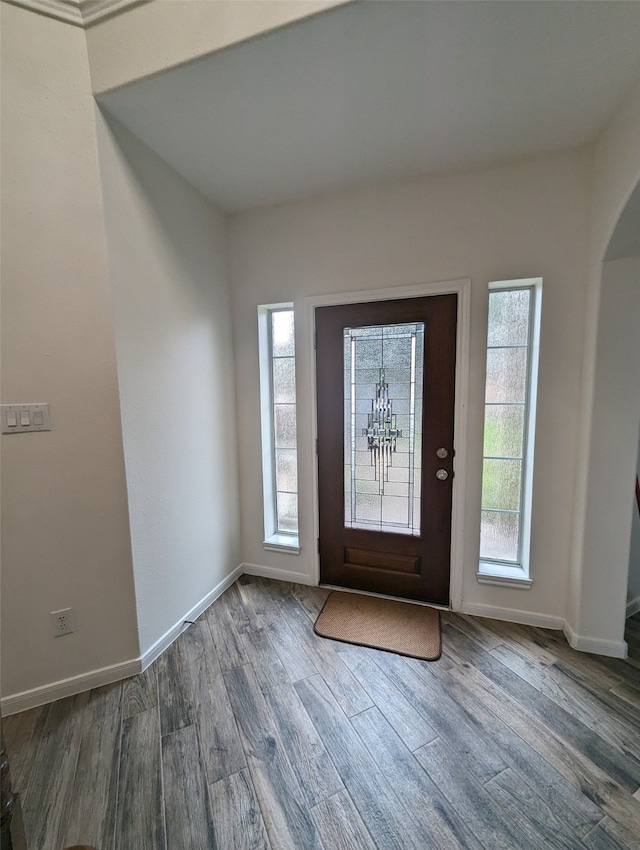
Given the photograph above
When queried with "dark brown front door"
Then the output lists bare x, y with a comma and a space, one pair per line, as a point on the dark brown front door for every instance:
385, 397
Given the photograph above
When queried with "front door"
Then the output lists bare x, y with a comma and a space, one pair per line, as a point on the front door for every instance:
385, 398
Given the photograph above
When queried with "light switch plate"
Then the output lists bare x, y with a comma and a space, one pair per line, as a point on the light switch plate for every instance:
38, 415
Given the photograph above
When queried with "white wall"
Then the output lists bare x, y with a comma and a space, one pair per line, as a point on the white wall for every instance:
528, 218
616, 171
65, 517
158, 35
168, 269
593, 610
633, 586
616, 416
65, 533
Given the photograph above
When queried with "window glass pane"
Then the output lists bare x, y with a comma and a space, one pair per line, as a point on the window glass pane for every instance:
505, 481
395, 510
278, 420
396, 353
501, 484
284, 380
503, 430
382, 439
398, 474
499, 536
368, 485
287, 512
362, 376
368, 353
282, 333
506, 374
369, 508
284, 416
509, 317
286, 470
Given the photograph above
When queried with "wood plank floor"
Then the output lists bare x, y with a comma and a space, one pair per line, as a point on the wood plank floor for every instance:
252, 733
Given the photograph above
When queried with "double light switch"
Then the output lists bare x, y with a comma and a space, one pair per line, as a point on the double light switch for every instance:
19, 418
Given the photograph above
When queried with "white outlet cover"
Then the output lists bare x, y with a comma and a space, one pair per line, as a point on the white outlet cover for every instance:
62, 622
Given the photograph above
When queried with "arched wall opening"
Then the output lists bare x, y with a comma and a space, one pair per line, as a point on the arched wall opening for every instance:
625, 244
613, 446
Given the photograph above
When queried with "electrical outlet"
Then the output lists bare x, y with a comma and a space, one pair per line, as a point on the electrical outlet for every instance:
62, 622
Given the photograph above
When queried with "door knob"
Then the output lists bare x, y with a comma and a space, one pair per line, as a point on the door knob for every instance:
442, 453
442, 474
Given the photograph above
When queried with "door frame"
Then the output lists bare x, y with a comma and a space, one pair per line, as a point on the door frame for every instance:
462, 288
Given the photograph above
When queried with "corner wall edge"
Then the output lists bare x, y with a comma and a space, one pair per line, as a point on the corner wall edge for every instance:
52, 691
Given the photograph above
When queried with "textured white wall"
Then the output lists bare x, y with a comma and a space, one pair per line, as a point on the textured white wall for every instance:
65, 522
616, 415
167, 262
529, 218
595, 608
158, 35
616, 170
65, 534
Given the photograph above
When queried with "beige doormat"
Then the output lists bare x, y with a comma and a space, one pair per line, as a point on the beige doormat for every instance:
382, 624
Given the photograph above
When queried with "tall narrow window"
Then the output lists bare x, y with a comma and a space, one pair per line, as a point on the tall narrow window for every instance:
278, 414
509, 423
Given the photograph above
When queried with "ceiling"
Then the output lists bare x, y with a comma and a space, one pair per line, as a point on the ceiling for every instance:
379, 90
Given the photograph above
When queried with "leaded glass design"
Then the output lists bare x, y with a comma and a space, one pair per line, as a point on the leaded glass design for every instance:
383, 375
504, 424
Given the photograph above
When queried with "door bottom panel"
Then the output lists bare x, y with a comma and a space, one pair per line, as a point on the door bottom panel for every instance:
382, 560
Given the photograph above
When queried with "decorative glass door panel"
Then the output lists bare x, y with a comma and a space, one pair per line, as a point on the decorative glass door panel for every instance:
383, 427
385, 399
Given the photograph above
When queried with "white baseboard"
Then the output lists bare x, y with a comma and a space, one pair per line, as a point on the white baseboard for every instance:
633, 606
154, 651
512, 615
68, 687
277, 574
106, 675
583, 643
596, 646
114, 673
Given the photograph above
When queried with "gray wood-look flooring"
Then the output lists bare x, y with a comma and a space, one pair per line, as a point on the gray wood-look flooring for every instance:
252, 733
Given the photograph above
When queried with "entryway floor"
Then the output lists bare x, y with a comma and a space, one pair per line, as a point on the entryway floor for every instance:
252, 732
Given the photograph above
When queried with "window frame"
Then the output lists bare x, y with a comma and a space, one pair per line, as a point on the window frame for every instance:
273, 539
494, 570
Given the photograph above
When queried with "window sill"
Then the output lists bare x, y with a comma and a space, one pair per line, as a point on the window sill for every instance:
503, 575
282, 543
